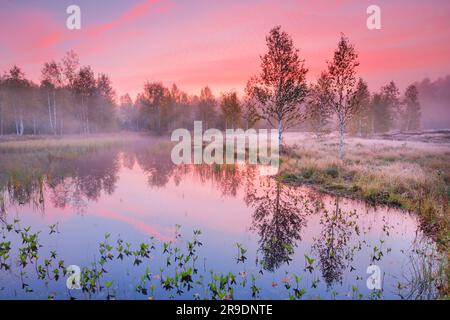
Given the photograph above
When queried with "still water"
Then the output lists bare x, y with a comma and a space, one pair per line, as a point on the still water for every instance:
278, 241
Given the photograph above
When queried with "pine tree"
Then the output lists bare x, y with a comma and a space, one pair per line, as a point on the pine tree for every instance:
207, 108
231, 109
318, 107
411, 112
249, 111
386, 108
361, 122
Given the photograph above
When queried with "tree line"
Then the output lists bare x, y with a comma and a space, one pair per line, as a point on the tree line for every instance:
380, 112
71, 98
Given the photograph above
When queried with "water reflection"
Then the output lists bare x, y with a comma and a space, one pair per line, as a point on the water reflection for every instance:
332, 245
278, 218
71, 181
75, 181
289, 222
422, 276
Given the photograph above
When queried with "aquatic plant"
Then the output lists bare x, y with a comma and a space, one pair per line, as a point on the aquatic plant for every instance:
22, 254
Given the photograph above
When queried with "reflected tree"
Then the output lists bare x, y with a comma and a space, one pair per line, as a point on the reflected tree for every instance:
156, 163
128, 160
84, 178
72, 180
278, 218
228, 178
332, 245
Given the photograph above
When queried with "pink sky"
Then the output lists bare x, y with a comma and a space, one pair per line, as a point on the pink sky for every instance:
218, 43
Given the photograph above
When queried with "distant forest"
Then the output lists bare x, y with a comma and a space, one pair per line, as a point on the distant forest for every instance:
73, 99
434, 97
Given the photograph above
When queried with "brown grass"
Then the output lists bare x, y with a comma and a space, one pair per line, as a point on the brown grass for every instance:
64, 143
411, 175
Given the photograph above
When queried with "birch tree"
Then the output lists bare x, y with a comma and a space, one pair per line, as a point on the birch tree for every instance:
51, 80
84, 86
2, 105
16, 85
342, 74
70, 63
280, 89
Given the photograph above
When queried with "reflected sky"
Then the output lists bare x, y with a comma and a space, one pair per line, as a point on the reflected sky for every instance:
137, 193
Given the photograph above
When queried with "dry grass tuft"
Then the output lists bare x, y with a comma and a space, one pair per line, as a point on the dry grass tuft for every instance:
411, 175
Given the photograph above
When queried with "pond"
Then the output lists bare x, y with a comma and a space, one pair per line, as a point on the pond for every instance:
139, 227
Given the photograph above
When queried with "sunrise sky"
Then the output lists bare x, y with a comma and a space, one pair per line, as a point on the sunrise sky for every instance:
195, 43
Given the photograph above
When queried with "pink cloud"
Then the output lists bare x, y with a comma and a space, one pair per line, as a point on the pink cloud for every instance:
39, 31
137, 224
135, 12
219, 43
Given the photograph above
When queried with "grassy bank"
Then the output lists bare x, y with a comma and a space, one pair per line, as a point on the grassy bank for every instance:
62, 146
411, 175
24, 160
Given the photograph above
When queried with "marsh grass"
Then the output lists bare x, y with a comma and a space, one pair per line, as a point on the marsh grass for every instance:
424, 279
65, 146
414, 176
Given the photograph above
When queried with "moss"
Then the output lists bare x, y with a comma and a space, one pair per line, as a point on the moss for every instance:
332, 172
288, 178
447, 180
387, 158
307, 174
395, 200
337, 186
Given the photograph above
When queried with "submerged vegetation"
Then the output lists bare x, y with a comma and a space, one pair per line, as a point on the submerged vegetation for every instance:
180, 271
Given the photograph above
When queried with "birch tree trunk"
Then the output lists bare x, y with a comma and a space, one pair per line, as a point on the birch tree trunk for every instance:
16, 120
21, 125
50, 112
341, 138
61, 124
1, 121
280, 133
54, 113
88, 131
